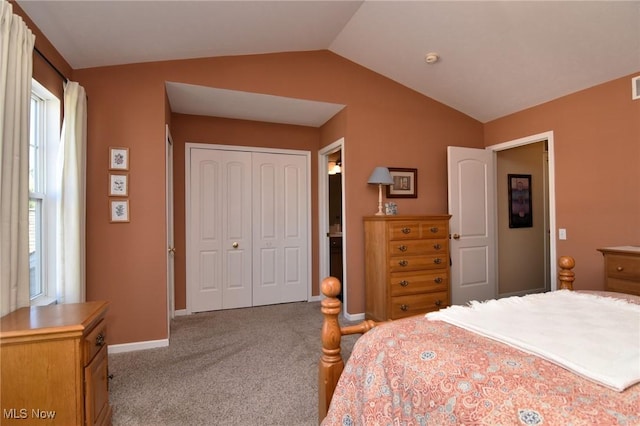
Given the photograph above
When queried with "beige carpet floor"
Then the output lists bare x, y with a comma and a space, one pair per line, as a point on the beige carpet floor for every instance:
252, 366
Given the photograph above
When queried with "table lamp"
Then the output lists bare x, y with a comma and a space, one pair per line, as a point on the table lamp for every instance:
380, 176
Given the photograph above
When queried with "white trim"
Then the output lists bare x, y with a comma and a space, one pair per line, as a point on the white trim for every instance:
323, 219
137, 346
545, 136
635, 88
180, 312
187, 198
353, 317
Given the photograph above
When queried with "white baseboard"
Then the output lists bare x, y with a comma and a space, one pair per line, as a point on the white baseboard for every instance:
137, 346
179, 312
354, 317
315, 299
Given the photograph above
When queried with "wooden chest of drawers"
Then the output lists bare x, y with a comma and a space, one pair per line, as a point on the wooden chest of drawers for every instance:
622, 269
54, 365
406, 265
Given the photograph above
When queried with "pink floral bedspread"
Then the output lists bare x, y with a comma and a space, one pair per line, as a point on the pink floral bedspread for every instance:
418, 372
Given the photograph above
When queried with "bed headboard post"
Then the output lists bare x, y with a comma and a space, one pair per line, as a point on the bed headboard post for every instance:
566, 276
331, 363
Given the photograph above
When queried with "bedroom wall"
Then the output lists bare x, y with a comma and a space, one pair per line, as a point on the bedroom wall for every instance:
386, 124
597, 153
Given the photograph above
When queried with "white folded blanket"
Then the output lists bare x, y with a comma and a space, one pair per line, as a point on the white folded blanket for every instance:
593, 336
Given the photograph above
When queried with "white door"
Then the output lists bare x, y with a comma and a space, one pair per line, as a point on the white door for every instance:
280, 232
219, 261
170, 236
472, 208
247, 229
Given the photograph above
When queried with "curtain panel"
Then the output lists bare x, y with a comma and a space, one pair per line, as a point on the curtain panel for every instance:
16, 69
72, 204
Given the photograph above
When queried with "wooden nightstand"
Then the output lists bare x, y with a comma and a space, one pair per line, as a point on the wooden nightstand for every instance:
54, 365
622, 269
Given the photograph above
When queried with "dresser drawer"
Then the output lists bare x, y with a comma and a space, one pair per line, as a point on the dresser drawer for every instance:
413, 230
402, 283
624, 267
415, 247
404, 306
415, 263
94, 341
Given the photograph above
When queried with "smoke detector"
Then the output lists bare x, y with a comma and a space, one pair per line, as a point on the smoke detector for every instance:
432, 58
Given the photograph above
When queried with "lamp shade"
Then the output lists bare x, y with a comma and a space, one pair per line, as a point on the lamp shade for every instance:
381, 176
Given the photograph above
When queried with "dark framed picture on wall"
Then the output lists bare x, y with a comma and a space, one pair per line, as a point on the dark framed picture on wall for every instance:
520, 213
405, 183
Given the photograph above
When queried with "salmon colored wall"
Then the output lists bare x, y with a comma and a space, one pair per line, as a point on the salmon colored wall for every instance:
387, 124
211, 130
597, 173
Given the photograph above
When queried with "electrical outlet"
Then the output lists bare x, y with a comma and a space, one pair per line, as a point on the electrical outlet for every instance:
562, 234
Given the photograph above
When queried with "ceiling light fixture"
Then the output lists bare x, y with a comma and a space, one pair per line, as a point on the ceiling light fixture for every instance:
432, 58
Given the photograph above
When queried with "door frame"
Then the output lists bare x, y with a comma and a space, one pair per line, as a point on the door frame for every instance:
323, 217
170, 226
552, 235
187, 159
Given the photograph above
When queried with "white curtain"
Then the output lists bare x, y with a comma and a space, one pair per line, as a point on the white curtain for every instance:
72, 206
16, 68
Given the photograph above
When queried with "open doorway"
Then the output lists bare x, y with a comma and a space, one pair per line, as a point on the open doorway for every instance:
331, 204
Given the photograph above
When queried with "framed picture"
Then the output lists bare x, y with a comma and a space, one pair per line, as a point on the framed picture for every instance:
520, 213
119, 211
118, 185
118, 158
405, 183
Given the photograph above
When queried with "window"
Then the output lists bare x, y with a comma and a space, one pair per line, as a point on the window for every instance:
44, 138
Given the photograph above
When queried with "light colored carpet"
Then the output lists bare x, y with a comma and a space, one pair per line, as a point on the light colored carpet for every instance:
252, 366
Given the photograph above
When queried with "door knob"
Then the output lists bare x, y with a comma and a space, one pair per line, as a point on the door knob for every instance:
456, 236
235, 244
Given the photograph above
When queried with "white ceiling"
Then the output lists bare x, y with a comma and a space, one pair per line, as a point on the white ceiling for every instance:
496, 57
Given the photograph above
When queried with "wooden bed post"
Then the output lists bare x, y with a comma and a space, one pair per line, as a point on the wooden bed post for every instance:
331, 363
566, 276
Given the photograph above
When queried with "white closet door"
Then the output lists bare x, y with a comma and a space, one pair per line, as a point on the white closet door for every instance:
280, 229
220, 230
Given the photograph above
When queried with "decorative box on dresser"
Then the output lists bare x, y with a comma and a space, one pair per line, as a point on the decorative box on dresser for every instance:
406, 265
622, 269
54, 365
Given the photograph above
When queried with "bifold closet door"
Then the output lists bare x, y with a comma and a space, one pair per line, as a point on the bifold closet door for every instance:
248, 229
220, 230
280, 228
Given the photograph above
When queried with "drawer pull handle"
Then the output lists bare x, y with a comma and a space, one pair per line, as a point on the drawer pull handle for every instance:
438, 303
404, 283
100, 340
403, 263
434, 229
619, 269
437, 280
437, 246
404, 308
402, 248
406, 230
437, 261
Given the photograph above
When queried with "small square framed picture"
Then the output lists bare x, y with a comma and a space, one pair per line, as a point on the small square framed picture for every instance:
119, 211
118, 158
118, 185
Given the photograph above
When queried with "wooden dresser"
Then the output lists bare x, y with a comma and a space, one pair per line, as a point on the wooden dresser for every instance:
406, 265
54, 366
622, 269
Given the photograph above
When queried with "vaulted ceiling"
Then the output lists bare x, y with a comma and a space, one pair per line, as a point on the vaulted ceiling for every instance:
495, 57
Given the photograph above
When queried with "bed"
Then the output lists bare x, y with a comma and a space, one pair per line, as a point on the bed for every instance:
419, 371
